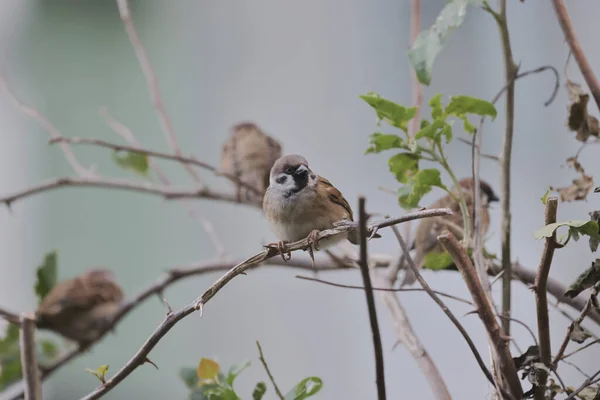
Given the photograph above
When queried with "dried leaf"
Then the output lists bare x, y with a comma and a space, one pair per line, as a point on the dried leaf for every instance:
589, 393
580, 188
579, 334
579, 120
586, 280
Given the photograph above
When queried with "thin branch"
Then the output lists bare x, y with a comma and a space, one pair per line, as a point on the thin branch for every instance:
48, 126
152, 153
384, 289
264, 363
541, 297
571, 38
9, 316
442, 305
269, 252
29, 366
364, 269
509, 380
585, 384
161, 190
416, 88
152, 83
580, 349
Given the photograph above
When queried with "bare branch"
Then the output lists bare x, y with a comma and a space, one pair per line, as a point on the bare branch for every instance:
586, 383
29, 366
385, 289
366, 276
416, 90
264, 363
152, 83
240, 268
47, 125
445, 309
541, 297
509, 380
9, 316
571, 38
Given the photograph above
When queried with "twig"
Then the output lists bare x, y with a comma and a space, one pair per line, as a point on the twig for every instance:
152, 153
580, 349
509, 380
9, 316
541, 297
416, 88
29, 366
264, 363
270, 252
162, 190
410, 340
152, 83
585, 384
364, 269
571, 39
384, 289
48, 126
445, 309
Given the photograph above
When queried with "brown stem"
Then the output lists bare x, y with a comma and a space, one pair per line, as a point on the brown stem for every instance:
264, 363
29, 365
508, 378
571, 38
541, 298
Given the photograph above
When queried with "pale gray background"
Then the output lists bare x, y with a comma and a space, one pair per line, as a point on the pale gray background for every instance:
296, 68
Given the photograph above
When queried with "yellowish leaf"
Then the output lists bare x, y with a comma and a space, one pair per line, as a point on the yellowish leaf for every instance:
207, 369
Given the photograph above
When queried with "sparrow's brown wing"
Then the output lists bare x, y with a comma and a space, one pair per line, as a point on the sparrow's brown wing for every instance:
335, 197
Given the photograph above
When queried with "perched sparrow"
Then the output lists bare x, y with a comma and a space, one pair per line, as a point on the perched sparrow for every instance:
430, 228
81, 308
299, 203
248, 155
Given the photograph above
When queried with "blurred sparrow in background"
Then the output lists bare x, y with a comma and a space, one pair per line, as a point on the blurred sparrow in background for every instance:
299, 203
248, 155
430, 228
81, 308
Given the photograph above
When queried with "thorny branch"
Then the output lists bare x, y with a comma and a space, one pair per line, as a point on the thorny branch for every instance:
29, 365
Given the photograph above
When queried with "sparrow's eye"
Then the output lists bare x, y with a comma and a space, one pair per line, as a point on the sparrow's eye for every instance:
290, 170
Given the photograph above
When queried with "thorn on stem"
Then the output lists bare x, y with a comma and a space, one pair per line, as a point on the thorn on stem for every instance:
149, 361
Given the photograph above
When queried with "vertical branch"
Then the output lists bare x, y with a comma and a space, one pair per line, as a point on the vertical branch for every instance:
364, 269
416, 88
152, 82
264, 363
541, 297
510, 71
29, 365
571, 39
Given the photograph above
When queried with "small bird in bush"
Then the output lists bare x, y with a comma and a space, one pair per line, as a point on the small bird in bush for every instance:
81, 308
430, 228
248, 155
299, 203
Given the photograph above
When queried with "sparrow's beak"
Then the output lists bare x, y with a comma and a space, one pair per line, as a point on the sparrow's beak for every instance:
493, 198
301, 171
597, 190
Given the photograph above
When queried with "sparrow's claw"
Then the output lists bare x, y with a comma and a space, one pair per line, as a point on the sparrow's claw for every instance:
313, 239
311, 253
280, 246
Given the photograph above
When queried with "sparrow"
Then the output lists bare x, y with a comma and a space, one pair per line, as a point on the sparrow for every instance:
299, 203
248, 156
81, 308
429, 229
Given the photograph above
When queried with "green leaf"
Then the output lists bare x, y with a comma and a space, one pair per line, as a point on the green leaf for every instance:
404, 166
437, 108
306, 388
431, 131
207, 369
135, 162
461, 105
99, 373
381, 141
417, 186
46, 351
437, 261
10, 356
259, 391
392, 113
576, 228
431, 41
46, 276
545, 197
234, 371
585, 280
189, 376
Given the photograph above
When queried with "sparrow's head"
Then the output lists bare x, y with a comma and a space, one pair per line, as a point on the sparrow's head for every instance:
290, 174
487, 193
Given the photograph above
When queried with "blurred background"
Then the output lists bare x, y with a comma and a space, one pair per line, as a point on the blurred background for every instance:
296, 69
